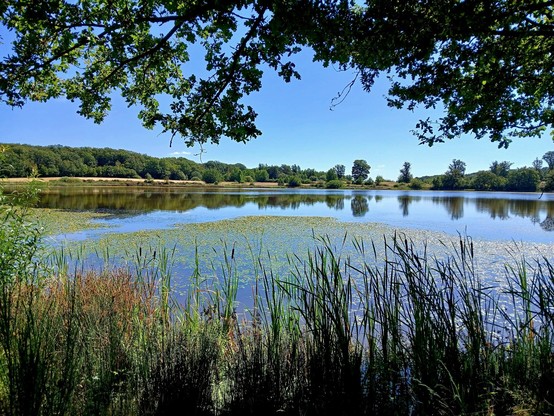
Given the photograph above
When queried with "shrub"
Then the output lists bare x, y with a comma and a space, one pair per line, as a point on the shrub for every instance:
261, 175
416, 184
211, 176
67, 179
437, 183
488, 181
294, 181
179, 176
334, 184
235, 176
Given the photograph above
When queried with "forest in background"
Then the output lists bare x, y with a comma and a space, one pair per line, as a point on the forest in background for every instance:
21, 160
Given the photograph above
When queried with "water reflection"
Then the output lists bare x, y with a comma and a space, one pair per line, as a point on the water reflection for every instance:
359, 205
404, 202
371, 205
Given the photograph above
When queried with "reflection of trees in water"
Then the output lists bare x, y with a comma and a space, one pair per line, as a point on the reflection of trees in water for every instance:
404, 202
287, 201
138, 200
496, 208
454, 205
504, 208
548, 223
166, 199
359, 205
145, 200
335, 202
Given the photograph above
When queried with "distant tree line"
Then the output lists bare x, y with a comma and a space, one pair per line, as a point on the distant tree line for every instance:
19, 160
500, 177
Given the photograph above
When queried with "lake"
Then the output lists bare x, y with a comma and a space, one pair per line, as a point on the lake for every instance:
527, 217
186, 232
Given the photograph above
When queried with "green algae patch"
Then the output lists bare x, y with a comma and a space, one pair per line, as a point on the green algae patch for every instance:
57, 221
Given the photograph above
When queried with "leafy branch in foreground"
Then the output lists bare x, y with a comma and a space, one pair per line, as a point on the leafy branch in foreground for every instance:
487, 65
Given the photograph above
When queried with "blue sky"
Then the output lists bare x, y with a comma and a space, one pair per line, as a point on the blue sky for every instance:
298, 128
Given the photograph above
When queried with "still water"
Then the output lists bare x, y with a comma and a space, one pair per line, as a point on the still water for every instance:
495, 216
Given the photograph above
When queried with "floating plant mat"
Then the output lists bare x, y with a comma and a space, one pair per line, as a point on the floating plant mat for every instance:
57, 221
246, 246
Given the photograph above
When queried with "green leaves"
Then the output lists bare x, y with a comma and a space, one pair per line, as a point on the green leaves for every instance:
487, 65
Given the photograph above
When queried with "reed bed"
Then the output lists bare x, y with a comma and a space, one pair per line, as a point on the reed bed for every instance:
409, 333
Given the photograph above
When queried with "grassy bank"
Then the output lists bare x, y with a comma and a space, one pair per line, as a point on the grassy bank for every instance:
57, 182
412, 334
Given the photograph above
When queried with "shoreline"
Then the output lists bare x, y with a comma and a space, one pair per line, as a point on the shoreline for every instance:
107, 181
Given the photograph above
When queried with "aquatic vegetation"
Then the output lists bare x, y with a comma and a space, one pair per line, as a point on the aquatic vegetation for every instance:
56, 221
229, 318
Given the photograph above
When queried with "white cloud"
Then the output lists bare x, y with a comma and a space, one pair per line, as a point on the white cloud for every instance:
180, 153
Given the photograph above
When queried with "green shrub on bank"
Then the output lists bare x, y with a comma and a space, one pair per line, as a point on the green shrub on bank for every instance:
294, 182
334, 184
211, 176
416, 184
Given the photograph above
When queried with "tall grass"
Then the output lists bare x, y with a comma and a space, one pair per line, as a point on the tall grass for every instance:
403, 333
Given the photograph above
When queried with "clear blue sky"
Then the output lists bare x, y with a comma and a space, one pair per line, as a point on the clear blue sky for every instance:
298, 128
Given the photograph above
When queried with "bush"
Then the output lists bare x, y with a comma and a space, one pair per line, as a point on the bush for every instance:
334, 184
488, 181
437, 183
261, 175
67, 179
179, 176
369, 182
235, 176
416, 184
211, 176
294, 182
248, 179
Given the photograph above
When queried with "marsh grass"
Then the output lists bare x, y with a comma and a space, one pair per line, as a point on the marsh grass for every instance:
401, 333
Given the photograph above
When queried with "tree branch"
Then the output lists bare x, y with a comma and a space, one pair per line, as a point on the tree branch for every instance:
190, 15
234, 64
147, 52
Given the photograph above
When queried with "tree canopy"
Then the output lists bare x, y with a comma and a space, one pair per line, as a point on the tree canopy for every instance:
360, 170
488, 65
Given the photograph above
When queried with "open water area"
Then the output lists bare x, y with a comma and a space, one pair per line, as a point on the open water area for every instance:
520, 217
